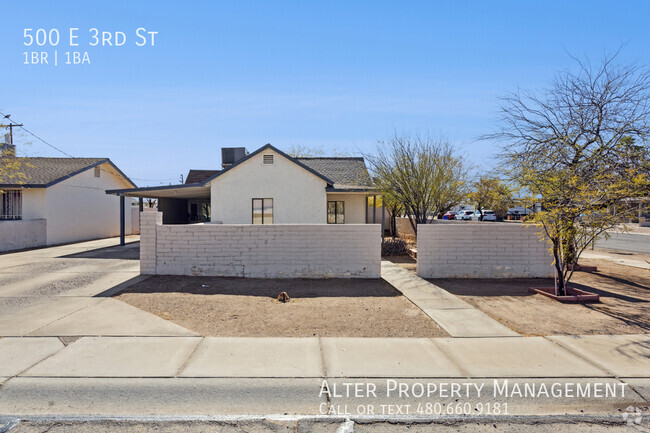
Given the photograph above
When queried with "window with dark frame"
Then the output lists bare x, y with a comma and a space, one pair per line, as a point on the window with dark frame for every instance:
11, 204
335, 212
262, 211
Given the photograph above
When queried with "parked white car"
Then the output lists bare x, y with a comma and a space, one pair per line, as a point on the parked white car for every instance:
464, 215
488, 215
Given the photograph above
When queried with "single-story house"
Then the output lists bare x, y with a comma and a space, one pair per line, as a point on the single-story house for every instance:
268, 186
48, 201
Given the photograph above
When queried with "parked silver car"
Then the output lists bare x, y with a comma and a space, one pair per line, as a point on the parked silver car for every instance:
464, 215
488, 215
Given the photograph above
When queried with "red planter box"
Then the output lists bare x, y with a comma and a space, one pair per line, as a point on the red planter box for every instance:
573, 295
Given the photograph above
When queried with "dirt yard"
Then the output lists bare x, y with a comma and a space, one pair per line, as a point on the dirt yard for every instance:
624, 308
237, 307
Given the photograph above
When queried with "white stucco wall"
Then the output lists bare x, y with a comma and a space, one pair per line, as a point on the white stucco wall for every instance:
79, 209
355, 207
33, 203
20, 234
299, 196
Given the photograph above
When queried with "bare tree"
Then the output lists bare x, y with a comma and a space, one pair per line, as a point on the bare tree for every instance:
580, 148
298, 151
425, 175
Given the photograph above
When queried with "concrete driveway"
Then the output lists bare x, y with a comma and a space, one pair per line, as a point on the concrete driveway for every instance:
62, 291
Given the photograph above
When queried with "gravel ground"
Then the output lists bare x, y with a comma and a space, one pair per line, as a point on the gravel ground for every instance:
624, 293
236, 307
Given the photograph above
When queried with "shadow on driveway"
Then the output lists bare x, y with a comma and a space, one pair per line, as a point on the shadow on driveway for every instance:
130, 251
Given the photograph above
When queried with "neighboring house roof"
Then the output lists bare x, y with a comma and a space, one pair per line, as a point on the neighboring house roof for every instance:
346, 172
38, 172
198, 176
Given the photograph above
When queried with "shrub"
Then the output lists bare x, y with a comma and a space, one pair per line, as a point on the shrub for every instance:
394, 247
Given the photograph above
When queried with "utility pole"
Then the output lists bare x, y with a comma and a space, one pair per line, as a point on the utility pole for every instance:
11, 128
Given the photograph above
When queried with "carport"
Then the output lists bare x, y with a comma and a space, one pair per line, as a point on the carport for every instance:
180, 204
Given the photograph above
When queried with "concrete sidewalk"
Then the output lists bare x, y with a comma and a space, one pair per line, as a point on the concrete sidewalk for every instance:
492, 357
633, 260
454, 315
195, 375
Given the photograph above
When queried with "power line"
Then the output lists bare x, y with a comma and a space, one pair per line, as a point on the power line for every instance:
154, 180
36, 136
67, 154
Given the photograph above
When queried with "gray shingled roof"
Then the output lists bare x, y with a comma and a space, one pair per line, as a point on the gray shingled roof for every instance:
349, 172
42, 172
197, 176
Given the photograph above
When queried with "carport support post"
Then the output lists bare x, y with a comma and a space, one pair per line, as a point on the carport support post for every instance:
122, 220
383, 217
374, 209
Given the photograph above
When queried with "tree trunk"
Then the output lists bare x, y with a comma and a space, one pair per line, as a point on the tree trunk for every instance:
560, 288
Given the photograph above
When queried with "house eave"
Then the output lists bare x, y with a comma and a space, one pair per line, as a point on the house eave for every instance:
188, 190
352, 190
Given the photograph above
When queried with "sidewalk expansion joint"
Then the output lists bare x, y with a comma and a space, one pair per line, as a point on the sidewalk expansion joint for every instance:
584, 358
187, 361
56, 320
324, 367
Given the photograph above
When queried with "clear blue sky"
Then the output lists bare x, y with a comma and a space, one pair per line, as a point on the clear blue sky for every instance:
336, 74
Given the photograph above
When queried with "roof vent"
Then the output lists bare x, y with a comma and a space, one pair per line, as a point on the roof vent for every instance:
268, 159
230, 155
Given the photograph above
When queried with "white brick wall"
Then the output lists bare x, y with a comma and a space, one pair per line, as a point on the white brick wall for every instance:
150, 222
482, 250
254, 251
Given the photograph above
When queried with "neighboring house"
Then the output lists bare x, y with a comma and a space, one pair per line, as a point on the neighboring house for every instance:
269, 187
61, 200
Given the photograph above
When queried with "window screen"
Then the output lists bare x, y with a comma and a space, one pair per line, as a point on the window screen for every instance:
11, 204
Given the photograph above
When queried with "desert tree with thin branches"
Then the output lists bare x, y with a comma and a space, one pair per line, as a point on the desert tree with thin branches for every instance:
424, 175
580, 148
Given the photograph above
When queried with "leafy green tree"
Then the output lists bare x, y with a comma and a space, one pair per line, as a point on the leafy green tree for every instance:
10, 168
491, 193
580, 148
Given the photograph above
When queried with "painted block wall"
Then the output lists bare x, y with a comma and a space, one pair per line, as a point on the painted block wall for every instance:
260, 251
21, 234
150, 221
482, 250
